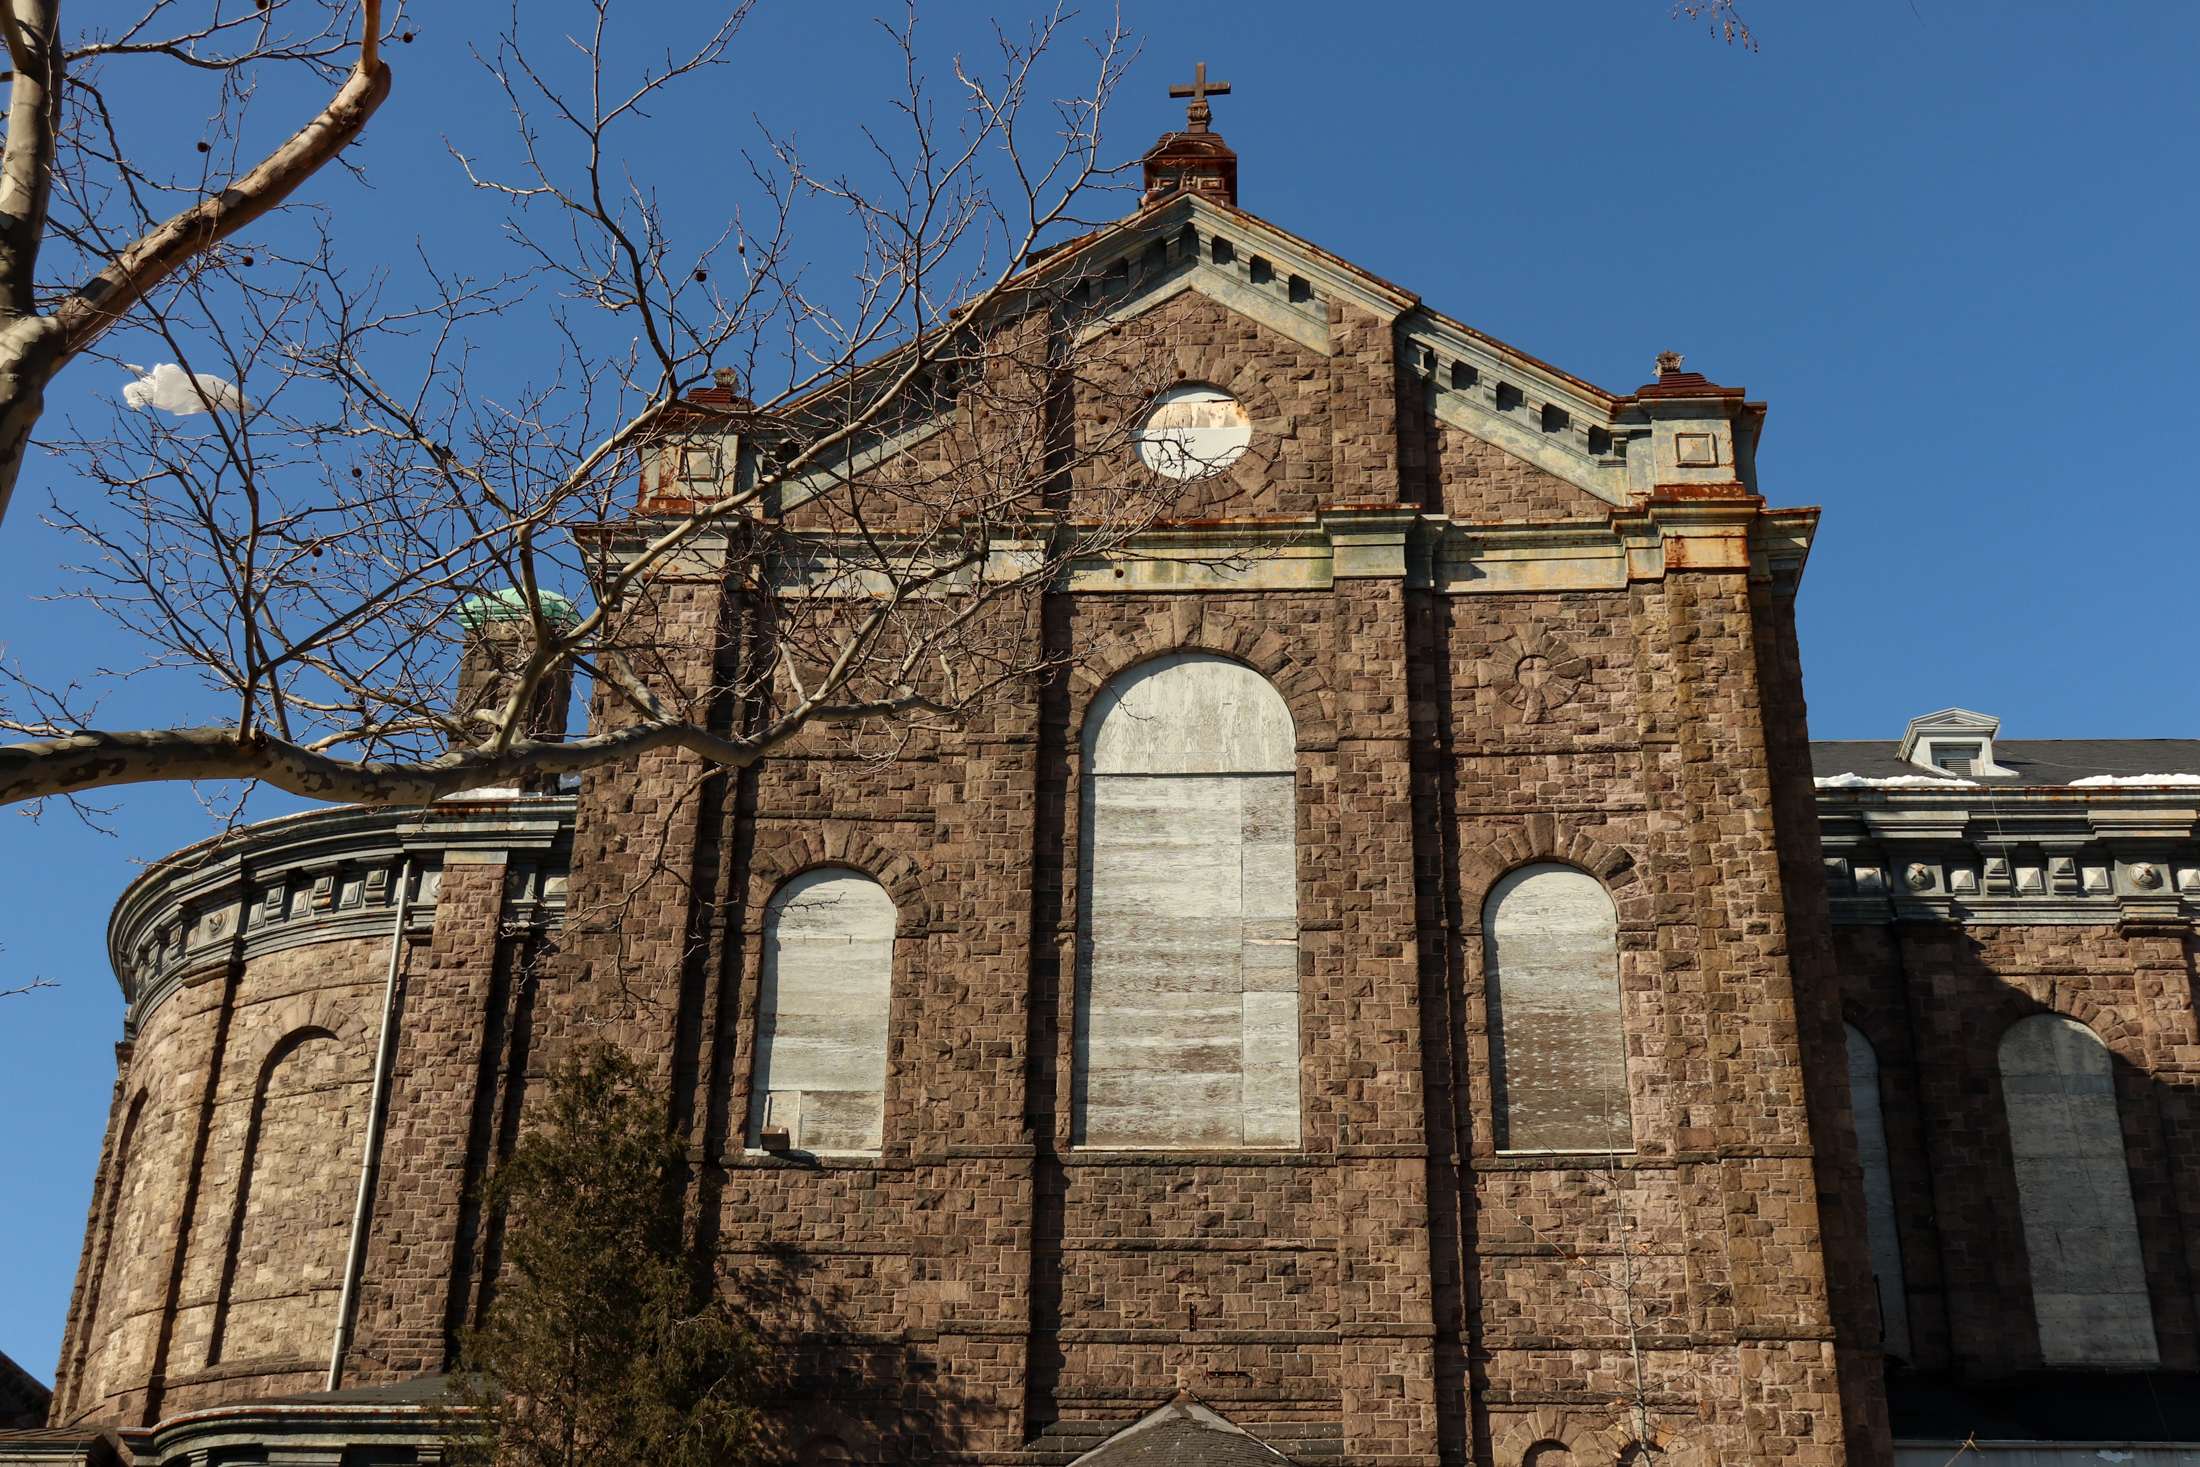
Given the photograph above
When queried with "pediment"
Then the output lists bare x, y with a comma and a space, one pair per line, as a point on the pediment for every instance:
1472, 382
864, 455
1955, 720
1184, 1433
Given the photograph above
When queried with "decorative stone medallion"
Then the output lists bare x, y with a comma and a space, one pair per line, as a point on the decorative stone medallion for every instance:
1535, 673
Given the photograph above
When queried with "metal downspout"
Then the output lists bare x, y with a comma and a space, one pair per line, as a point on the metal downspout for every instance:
370, 1161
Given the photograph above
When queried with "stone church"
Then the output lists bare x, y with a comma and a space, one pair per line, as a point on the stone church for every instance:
1392, 1003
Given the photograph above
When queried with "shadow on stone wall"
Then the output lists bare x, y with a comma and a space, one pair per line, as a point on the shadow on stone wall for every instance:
836, 1387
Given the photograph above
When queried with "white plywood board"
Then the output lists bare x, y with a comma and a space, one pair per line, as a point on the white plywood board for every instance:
1558, 1044
1190, 713
822, 1021
1188, 1031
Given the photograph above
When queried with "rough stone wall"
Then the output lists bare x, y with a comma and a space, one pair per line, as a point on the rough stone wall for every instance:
96, 1265
1475, 480
1845, 1231
420, 1244
290, 1222
990, 1282
213, 1237
1363, 408
1701, 1248
1936, 1000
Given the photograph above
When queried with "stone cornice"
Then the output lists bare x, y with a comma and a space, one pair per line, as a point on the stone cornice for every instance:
2042, 855
294, 1431
322, 876
1719, 532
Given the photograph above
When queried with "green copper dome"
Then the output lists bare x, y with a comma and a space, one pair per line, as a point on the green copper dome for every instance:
510, 604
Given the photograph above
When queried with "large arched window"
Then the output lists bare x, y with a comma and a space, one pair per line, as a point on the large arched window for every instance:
1188, 967
1871, 1150
821, 1026
1558, 1054
2089, 1283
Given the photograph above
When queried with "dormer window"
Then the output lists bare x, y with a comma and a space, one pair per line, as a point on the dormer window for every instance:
1953, 741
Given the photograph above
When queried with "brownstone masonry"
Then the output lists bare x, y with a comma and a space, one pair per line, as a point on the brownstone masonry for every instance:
1450, 738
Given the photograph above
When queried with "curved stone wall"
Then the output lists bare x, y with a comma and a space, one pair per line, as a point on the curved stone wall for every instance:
256, 969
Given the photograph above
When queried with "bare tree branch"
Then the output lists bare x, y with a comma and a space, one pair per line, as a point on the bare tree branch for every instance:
35, 345
1726, 22
390, 568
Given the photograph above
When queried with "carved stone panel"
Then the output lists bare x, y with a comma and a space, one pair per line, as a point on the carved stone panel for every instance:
1535, 672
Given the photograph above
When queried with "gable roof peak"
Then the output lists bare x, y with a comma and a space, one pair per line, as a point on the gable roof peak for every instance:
1952, 720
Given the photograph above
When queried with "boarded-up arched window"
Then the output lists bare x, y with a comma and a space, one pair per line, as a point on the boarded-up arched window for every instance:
292, 1223
821, 1026
1558, 1055
2089, 1283
1188, 981
1871, 1150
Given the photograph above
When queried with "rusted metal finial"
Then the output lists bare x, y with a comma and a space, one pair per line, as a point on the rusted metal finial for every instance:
1199, 114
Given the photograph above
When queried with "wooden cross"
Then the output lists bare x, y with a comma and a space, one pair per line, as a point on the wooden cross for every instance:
1199, 114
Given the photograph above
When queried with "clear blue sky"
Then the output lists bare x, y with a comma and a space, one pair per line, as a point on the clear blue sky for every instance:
1950, 241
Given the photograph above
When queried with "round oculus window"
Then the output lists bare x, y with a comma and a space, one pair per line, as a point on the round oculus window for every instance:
1192, 431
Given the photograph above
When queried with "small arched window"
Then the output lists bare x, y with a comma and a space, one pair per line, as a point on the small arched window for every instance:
2081, 1234
821, 1025
1871, 1150
1558, 1055
1188, 981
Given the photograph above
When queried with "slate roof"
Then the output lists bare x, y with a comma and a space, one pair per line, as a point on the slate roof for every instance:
1183, 1433
2037, 761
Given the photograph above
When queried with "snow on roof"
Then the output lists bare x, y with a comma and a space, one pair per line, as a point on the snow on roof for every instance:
1895, 782
2101, 779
